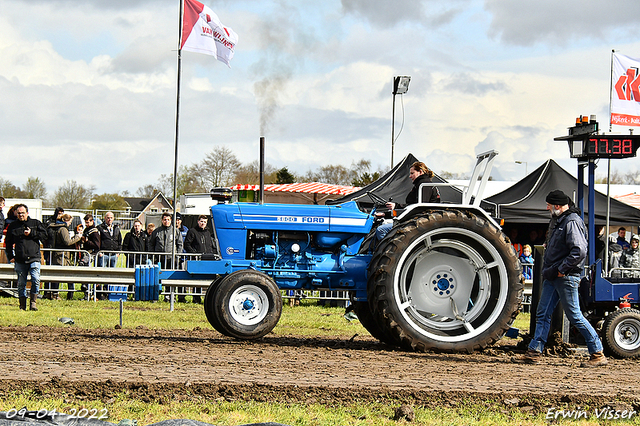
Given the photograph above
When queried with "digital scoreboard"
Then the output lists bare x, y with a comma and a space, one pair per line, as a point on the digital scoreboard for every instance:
584, 144
605, 146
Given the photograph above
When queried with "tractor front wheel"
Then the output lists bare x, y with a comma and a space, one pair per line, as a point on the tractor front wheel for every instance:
246, 305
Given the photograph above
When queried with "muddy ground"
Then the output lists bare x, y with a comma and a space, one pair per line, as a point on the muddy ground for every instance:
161, 366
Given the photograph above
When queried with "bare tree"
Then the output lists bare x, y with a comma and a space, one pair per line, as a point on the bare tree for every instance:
218, 168
333, 174
147, 191
249, 174
186, 182
35, 188
72, 195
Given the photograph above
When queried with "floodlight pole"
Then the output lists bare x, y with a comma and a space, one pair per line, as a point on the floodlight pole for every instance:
393, 127
400, 86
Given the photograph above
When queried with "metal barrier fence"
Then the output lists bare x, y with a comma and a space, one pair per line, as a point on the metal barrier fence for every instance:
100, 275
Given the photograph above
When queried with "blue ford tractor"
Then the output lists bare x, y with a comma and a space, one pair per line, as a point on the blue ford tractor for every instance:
444, 278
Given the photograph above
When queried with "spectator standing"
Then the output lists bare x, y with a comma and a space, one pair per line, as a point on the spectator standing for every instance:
63, 240
564, 261
621, 240
48, 243
91, 243
199, 240
150, 228
1, 218
135, 242
55, 218
631, 258
90, 236
22, 246
181, 228
110, 241
183, 233
163, 239
527, 261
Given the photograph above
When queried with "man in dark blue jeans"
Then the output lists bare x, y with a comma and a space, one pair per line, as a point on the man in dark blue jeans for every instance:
564, 260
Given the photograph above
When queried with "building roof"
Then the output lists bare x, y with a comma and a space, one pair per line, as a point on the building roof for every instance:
307, 188
631, 199
137, 203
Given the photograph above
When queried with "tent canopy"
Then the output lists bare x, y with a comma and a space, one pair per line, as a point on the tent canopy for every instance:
524, 202
395, 185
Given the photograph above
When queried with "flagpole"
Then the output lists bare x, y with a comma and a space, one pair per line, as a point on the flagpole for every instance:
606, 243
175, 156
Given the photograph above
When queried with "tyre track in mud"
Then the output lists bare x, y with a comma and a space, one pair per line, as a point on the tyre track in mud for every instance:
165, 365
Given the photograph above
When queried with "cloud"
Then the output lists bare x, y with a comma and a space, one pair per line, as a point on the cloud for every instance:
560, 22
470, 85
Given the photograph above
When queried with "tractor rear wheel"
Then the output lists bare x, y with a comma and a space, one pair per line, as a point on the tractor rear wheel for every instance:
363, 311
446, 280
247, 304
621, 333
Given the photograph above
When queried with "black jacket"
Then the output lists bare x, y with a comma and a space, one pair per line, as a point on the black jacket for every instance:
110, 242
412, 196
92, 244
198, 240
135, 242
22, 248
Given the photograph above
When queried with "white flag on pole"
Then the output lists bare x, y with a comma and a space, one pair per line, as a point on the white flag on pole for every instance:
625, 91
202, 32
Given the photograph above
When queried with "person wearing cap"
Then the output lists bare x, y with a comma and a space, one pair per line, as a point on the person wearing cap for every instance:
564, 260
631, 259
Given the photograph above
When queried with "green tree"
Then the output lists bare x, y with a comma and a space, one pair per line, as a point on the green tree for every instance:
35, 188
284, 176
72, 195
362, 174
108, 202
9, 190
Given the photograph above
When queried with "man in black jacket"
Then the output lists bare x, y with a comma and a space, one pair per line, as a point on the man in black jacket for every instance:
198, 240
110, 241
23, 249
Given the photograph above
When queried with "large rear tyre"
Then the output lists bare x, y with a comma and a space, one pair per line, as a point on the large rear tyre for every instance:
448, 281
363, 311
621, 333
247, 304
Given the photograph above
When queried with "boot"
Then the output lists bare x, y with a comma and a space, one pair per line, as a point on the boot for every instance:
530, 357
23, 303
32, 304
596, 360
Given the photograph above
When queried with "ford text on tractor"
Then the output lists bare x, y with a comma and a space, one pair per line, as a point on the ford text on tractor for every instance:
444, 278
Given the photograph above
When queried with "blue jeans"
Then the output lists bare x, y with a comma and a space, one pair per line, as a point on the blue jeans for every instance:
108, 260
565, 290
383, 230
22, 269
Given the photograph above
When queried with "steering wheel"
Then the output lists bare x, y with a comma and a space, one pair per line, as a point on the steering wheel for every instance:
378, 201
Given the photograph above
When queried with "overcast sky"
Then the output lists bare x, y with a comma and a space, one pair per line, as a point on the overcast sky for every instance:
88, 88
